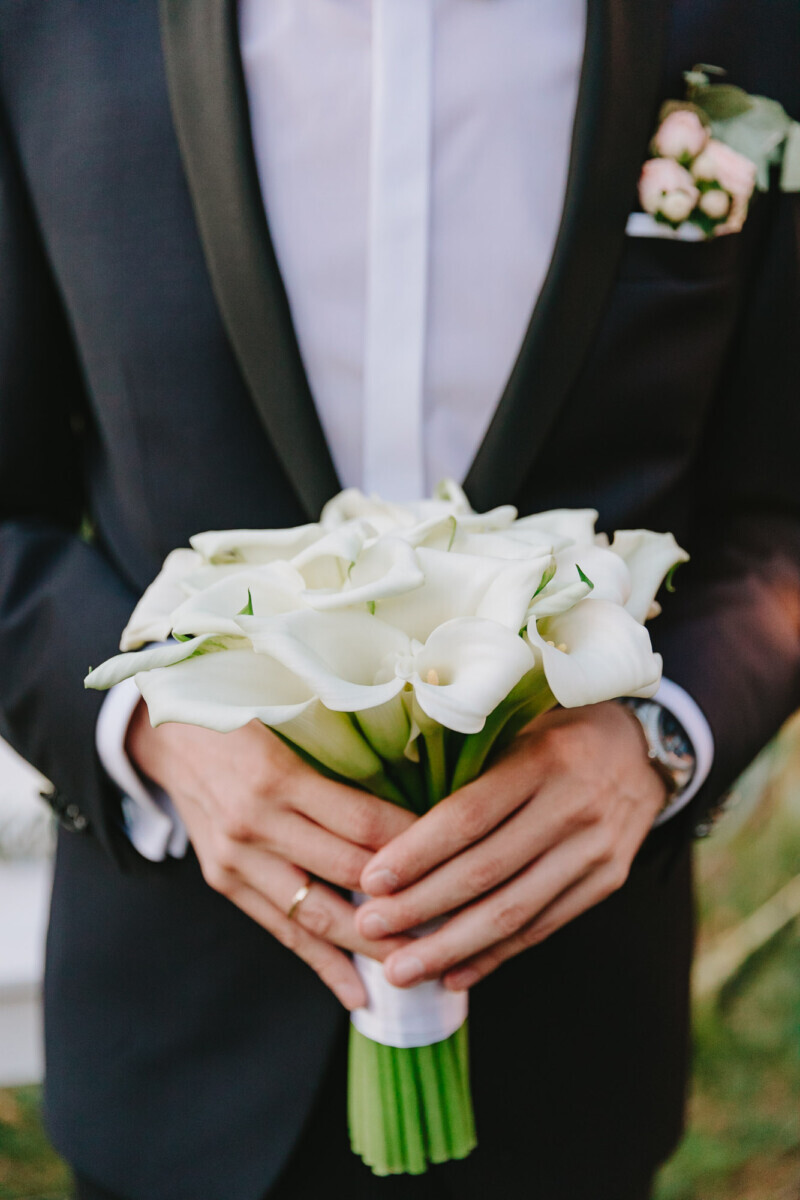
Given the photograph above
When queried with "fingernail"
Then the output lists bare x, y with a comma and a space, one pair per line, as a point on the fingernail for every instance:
459, 981
380, 883
373, 926
406, 970
351, 996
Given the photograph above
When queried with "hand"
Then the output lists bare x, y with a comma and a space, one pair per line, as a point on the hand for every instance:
261, 821
543, 835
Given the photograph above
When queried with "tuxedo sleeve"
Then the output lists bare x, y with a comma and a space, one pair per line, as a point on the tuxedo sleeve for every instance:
730, 636
62, 604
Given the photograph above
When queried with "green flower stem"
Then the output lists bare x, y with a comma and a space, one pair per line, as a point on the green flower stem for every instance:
380, 785
409, 1107
411, 782
528, 700
435, 764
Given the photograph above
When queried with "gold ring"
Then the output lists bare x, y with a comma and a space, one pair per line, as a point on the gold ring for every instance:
298, 898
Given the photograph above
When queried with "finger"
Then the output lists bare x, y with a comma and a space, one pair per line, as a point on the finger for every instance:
322, 912
347, 812
330, 916
332, 966
501, 914
521, 838
305, 844
574, 901
455, 823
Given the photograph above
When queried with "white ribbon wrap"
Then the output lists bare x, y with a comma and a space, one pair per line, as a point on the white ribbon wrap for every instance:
405, 1017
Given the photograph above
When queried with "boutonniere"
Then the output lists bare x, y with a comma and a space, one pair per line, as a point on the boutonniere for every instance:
710, 152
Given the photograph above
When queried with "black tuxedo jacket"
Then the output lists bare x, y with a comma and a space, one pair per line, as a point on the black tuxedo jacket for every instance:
150, 380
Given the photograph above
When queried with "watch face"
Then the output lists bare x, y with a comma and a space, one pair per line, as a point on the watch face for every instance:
673, 738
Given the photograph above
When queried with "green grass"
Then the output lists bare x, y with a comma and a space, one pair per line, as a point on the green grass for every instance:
29, 1169
743, 1141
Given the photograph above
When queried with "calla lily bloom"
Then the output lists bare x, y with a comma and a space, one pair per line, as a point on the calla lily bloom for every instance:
596, 651
124, 666
254, 545
648, 557
387, 567
466, 585
226, 691
150, 620
569, 525
268, 590
355, 662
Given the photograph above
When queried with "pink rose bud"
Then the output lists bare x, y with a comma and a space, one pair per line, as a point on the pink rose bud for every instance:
676, 206
731, 170
667, 189
715, 204
681, 135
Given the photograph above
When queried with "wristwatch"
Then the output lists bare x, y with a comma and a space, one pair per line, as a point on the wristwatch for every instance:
669, 747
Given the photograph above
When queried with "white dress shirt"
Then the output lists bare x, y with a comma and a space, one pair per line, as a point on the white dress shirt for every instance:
412, 157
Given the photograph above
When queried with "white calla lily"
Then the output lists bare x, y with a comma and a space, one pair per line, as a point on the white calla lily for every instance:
387, 568
608, 573
464, 670
326, 562
226, 691
583, 571
352, 504
648, 556
565, 525
464, 585
596, 651
346, 658
254, 545
268, 590
150, 620
511, 543
124, 666
453, 496
356, 663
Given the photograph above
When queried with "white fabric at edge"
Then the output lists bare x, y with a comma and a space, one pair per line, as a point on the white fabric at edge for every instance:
151, 822
404, 1017
644, 225
677, 701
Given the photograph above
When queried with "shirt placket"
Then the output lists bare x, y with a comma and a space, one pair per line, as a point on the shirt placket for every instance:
398, 248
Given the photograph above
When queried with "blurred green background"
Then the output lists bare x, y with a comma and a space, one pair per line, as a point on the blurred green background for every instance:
743, 1140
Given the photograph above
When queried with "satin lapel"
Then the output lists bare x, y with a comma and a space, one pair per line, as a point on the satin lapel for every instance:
615, 115
210, 111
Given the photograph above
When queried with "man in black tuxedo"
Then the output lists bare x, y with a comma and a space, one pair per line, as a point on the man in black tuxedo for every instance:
151, 380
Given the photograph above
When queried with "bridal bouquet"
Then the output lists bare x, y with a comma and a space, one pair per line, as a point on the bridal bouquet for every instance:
397, 647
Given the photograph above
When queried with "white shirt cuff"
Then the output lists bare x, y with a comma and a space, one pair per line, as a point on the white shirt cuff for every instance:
152, 823
672, 697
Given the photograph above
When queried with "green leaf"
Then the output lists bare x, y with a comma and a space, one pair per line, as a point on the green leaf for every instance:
721, 101
247, 611
584, 577
371, 607
704, 222
668, 582
548, 574
760, 134
183, 637
453, 532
